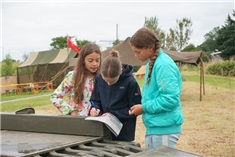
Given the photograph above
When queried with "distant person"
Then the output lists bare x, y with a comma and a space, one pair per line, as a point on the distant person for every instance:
161, 107
115, 92
79, 83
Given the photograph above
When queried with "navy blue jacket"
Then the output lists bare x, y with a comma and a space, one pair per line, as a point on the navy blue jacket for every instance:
117, 99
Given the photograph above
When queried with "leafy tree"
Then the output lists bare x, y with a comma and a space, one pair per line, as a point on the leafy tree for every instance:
170, 40
226, 38
190, 48
7, 66
152, 23
210, 45
59, 42
181, 34
117, 41
81, 43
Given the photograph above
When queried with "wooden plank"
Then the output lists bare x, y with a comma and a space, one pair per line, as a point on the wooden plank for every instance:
59, 124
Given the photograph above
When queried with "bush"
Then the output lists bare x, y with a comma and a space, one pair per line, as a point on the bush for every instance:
225, 68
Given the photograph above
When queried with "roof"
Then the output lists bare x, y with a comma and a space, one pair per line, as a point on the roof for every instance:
127, 56
49, 57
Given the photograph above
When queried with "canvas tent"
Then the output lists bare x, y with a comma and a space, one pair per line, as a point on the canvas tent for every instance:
141, 72
127, 56
45, 66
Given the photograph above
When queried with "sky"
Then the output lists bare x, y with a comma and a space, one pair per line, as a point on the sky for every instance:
29, 25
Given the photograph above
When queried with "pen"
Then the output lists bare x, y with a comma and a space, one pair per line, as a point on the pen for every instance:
93, 105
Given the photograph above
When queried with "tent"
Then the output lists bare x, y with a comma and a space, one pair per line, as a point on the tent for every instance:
51, 65
127, 56
141, 72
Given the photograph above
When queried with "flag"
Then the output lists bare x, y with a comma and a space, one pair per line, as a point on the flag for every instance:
72, 46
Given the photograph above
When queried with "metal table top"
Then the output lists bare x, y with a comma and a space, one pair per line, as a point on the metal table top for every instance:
59, 136
18, 143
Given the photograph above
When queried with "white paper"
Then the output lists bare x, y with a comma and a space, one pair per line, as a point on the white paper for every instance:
111, 121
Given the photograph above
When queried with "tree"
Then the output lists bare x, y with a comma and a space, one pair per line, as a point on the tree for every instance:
170, 40
181, 34
7, 66
81, 43
152, 23
117, 41
190, 48
226, 38
210, 45
59, 42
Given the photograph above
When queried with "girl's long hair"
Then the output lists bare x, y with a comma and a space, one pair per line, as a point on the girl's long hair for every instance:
145, 38
80, 71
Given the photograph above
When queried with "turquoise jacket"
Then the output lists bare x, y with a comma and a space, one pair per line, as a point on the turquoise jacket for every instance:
161, 97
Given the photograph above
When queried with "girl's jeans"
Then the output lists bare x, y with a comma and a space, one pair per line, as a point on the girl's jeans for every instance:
153, 141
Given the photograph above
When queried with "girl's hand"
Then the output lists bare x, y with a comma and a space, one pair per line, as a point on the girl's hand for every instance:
136, 110
104, 114
74, 113
94, 112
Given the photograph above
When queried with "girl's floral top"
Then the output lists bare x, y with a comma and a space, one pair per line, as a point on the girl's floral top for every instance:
66, 88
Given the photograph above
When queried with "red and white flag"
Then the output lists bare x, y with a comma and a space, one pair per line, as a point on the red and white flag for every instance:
72, 46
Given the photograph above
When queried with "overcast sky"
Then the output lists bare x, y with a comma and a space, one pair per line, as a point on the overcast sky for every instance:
29, 26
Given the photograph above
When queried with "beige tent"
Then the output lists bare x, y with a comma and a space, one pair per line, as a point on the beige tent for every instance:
127, 56
140, 73
51, 65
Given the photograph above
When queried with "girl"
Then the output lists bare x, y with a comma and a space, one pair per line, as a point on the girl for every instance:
79, 84
161, 106
116, 91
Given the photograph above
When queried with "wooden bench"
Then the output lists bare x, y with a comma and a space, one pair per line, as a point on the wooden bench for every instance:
43, 85
33, 87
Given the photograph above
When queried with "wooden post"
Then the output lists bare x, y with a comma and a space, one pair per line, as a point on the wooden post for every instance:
202, 83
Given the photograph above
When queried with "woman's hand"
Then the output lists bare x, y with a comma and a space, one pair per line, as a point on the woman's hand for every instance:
136, 110
94, 112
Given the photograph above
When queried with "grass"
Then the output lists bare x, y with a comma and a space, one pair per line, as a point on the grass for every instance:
208, 127
209, 124
37, 100
23, 95
14, 106
213, 80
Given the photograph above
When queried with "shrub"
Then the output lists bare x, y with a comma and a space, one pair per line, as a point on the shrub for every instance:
225, 68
